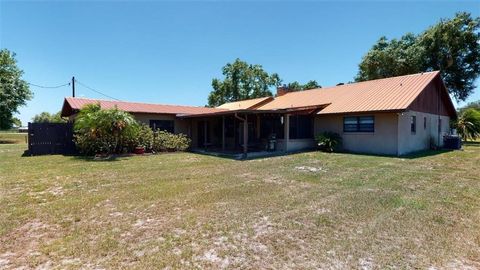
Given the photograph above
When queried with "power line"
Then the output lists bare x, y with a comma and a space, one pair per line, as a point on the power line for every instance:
96, 91
73, 83
50, 87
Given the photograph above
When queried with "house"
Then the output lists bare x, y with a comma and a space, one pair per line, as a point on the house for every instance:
392, 116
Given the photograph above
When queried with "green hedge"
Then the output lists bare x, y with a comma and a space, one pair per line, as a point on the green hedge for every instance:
164, 141
112, 131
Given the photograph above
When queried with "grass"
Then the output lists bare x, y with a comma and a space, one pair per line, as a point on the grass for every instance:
12, 137
193, 211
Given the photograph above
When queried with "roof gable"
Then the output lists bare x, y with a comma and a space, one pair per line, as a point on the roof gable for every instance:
246, 104
434, 99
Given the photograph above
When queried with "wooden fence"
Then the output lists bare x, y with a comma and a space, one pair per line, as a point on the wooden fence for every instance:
51, 138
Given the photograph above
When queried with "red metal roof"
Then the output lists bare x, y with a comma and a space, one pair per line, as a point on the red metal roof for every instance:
388, 94
74, 104
245, 104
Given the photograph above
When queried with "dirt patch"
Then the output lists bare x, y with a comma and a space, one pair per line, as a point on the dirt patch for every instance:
310, 169
21, 247
55, 191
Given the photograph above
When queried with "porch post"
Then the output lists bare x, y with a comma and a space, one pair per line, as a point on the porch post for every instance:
245, 136
286, 130
223, 133
205, 133
258, 126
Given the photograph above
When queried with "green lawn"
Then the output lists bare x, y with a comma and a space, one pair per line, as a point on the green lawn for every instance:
12, 137
303, 211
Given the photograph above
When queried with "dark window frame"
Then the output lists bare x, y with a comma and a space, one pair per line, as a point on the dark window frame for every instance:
301, 127
163, 125
271, 125
356, 125
424, 122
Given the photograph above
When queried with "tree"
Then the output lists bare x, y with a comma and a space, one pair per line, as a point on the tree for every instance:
14, 91
391, 58
104, 131
46, 117
242, 81
312, 84
471, 105
16, 122
468, 124
451, 46
296, 86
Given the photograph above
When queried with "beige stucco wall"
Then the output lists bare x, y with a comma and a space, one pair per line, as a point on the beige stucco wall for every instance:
296, 144
180, 125
420, 140
382, 141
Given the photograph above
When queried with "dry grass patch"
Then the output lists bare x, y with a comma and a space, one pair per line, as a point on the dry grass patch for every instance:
193, 211
13, 138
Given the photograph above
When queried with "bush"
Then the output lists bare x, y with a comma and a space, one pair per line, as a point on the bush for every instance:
104, 131
329, 141
144, 137
114, 131
165, 141
468, 124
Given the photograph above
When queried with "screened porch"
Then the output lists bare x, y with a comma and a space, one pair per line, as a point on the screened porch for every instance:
249, 132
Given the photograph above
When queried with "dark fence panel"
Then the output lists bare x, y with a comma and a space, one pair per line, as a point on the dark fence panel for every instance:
51, 138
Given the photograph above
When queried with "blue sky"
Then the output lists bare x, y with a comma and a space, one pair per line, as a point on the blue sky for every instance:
168, 52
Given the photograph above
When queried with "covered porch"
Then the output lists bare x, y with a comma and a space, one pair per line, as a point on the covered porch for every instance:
252, 133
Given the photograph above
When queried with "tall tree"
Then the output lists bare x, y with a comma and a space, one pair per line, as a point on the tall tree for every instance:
46, 117
242, 81
14, 91
16, 122
296, 86
451, 46
471, 105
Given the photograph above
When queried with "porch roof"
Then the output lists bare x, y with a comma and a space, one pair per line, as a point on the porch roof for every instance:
308, 109
230, 112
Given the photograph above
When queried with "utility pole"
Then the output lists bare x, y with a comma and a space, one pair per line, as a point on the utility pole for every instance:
73, 86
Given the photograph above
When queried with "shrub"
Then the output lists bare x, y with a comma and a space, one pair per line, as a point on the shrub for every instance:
468, 124
165, 141
329, 141
104, 131
144, 137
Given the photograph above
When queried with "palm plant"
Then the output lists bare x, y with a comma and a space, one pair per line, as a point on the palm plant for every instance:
329, 141
104, 131
468, 124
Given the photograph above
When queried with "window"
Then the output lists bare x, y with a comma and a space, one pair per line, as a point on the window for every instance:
359, 124
424, 122
301, 127
164, 125
439, 125
413, 124
271, 125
